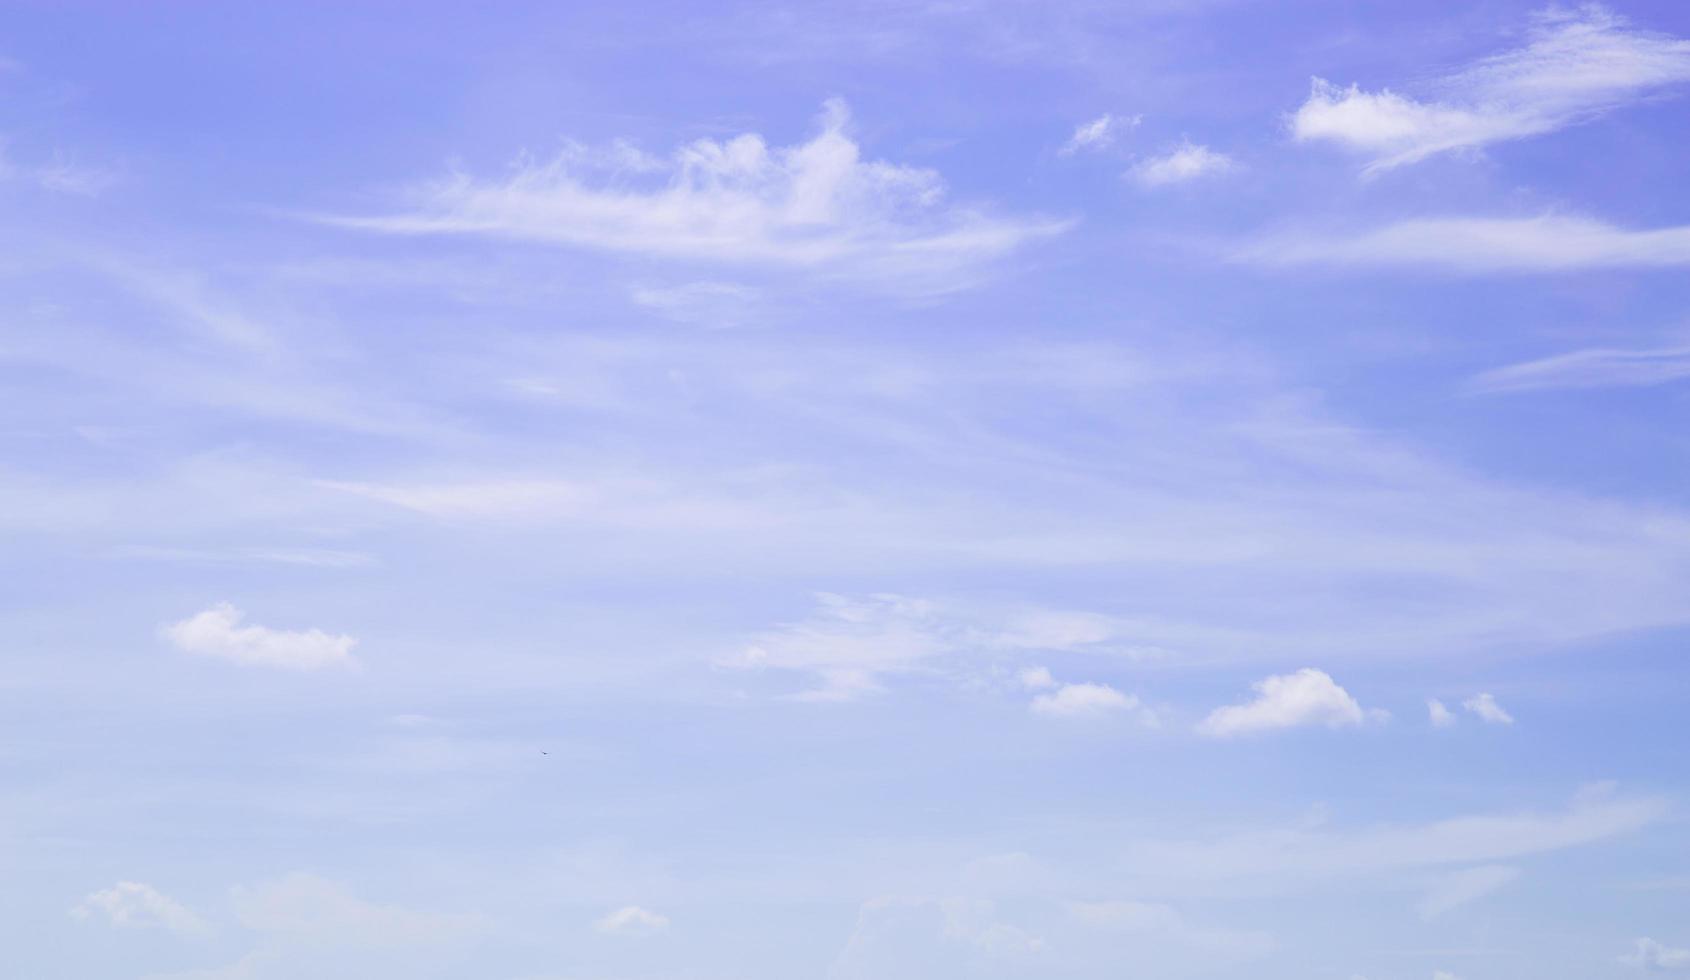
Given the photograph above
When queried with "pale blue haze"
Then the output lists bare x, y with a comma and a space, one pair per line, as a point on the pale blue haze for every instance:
855, 491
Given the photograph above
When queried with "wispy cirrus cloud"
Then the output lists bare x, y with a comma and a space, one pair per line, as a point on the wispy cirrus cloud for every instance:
1575, 66
1545, 243
1462, 887
816, 205
1464, 840
1099, 133
853, 643
1597, 367
134, 904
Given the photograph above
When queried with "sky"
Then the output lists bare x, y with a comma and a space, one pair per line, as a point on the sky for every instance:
860, 490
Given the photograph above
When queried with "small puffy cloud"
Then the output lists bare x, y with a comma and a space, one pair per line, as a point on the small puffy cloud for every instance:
817, 205
1461, 887
133, 904
1575, 66
217, 632
1098, 133
631, 920
1656, 958
1444, 975
1593, 368
1186, 162
1488, 710
1083, 700
1438, 714
1307, 697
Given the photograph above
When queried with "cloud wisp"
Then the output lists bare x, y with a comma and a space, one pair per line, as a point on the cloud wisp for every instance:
1482, 245
1575, 66
1592, 368
132, 904
817, 205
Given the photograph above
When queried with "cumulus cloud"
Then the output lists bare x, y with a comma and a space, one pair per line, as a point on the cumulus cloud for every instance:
631, 920
1186, 162
817, 204
1575, 66
1307, 697
1656, 958
1546, 243
1593, 368
1438, 714
1461, 887
1098, 133
217, 632
1083, 700
133, 904
1488, 710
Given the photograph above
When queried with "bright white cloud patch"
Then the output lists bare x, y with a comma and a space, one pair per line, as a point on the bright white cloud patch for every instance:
218, 632
1307, 697
1186, 162
1439, 715
631, 920
1653, 956
1462, 887
1575, 66
817, 204
1595, 368
1548, 243
1488, 710
133, 904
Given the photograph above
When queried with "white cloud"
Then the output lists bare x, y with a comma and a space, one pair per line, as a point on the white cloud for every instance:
1461, 887
1654, 957
130, 903
217, 632
816, 204
1488, 710
1307, 697
1593, 368
1098, 133
631, 920
1547, 243
1440, 716
1188, 161
1575, 66
1444, 975
1083, 700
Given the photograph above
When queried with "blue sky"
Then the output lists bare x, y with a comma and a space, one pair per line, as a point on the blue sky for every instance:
862, 491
